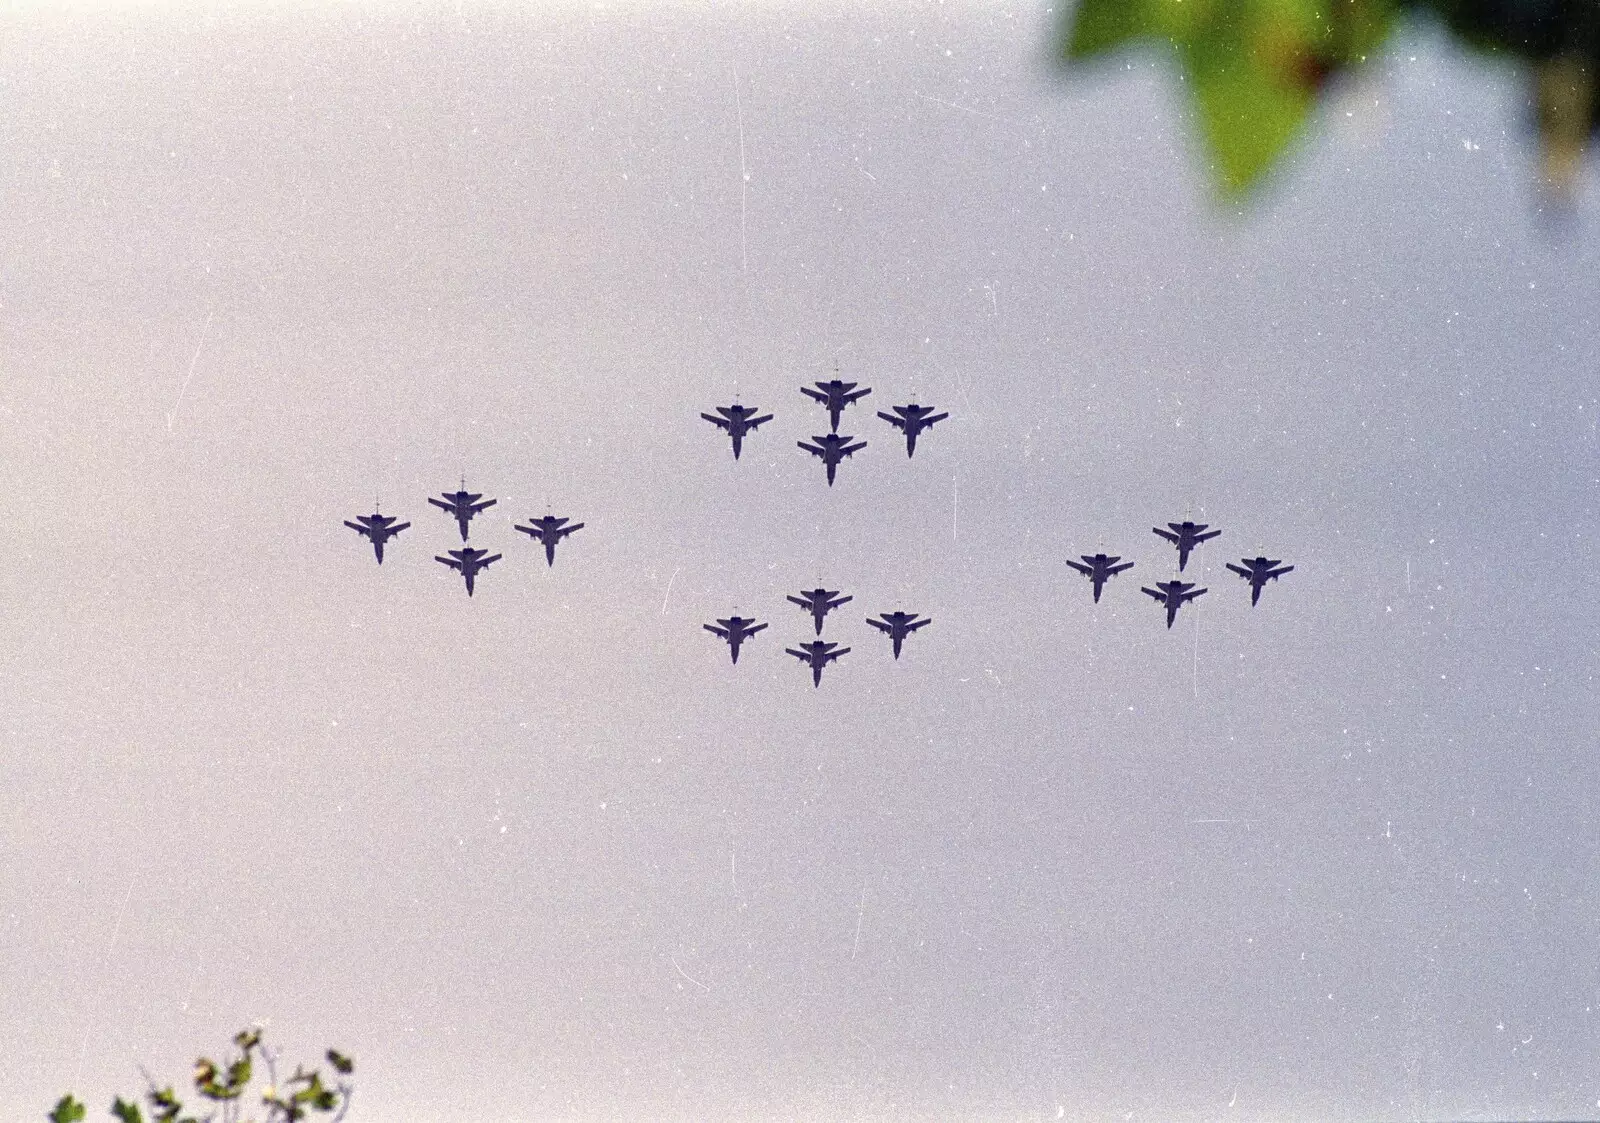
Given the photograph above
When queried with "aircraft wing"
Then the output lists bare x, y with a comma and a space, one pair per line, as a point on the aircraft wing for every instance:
851, 449
832, 655
566, 530
1167, 534
714, 630
935, 417
440, 503
1151, 592
1279, 572
1087, 571
357, 529
1191, 594
1242, 572
858, 395
897, 422
841, 600
816, 395
798, 654
720, 422
754, 630
880, 625
918, 624
496, 557
485, 504
1119, 568
812, 449
1207, 536
402, 526
802, 602
754, 421
451, 562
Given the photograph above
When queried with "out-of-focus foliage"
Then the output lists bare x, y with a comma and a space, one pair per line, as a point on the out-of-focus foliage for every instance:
295, 1099
1258, 67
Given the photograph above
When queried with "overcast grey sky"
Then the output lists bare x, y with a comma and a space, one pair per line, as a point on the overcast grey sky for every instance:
544, 853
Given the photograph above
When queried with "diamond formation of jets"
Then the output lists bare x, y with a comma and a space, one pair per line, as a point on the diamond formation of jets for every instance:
1173, 594
1258, 571
735, 629
899, 625
378, 528
819, 654
468, 561
463, 505
832, 448
1186, 536
834, 396
737, 420
1099, 568
550, 530
911, 419
819, 602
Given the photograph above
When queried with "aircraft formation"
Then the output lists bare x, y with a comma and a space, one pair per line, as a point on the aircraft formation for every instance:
831, 448
464, 506
836, 396
817, 653
1174, 594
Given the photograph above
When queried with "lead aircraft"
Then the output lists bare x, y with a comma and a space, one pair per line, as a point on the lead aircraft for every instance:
835, 395
737, 420
735, 629
1186, 536
1173, 594
819, 654
819, 602
1100, 568
379, 528
1258, 572
912, 419
468, 561
463, 505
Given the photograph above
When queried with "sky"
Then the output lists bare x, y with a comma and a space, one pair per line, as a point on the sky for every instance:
545, 853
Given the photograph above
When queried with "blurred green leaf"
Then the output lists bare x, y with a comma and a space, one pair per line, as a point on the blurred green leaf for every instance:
67, 1110
1257, 69
125, 1111
341, 1063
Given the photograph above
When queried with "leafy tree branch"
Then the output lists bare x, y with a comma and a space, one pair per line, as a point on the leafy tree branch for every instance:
224, 1086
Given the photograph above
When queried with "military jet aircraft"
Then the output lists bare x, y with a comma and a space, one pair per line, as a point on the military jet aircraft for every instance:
819, 602
1173, 594
463, 505
468, 561
1186, 536
1258, 572
913, 419
819, 654
1099, 568
835, 395
549, 530
735, 629
737, 420
899, 625
379, 528
832, 448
